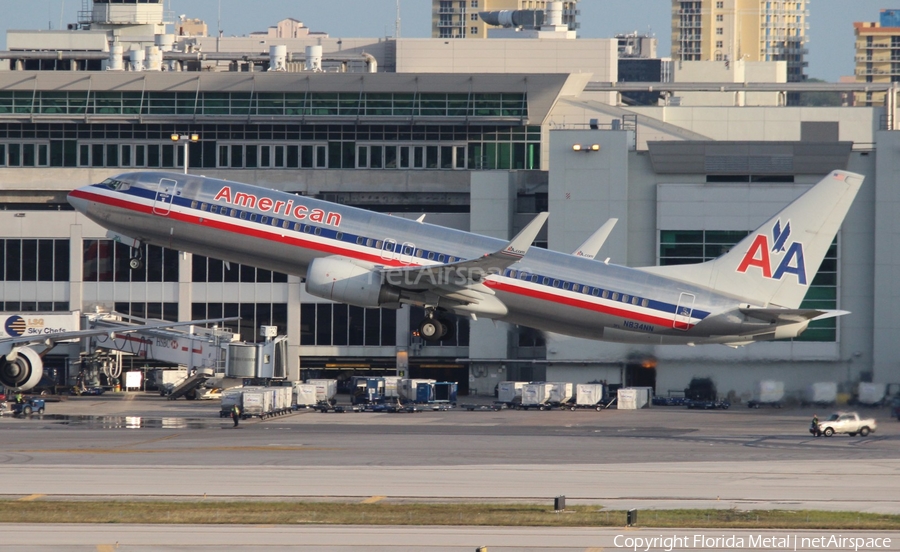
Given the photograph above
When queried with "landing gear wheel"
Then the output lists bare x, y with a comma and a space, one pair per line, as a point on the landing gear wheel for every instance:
135, 263
449, 328
431, 329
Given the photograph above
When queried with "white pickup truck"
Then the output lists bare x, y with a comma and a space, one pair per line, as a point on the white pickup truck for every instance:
847, 422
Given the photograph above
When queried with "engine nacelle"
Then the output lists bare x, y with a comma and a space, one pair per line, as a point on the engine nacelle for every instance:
22, 373
340, 279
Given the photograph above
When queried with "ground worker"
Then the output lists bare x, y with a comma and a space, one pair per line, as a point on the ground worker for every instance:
235, 414
19, 398
814, 425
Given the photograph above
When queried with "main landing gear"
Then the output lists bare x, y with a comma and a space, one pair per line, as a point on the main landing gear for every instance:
136, 262
436, 327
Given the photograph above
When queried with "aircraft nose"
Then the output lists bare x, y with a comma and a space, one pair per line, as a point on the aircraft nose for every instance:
77, 200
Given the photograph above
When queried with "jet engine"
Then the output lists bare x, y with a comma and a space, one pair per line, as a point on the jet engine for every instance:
341, 279
23, 372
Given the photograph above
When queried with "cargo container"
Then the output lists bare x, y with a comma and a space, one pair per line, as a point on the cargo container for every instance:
258, 402
536, 395
166, 380
633, 398
589, 395
767, 393
510, 392
366, 390
561, 393
284, 399
305, 395
823, 393
408, 389
326, 390
871, 394
445, 392
390, 386
231, 397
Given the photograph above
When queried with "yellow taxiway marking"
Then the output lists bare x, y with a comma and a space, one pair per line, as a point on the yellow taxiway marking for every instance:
373, 499
29, 498
107, 547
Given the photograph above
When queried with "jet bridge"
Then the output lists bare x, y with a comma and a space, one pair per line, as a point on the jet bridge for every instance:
207, 353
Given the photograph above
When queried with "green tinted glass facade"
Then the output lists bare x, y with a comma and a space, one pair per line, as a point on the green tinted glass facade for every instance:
272, 104
696, 246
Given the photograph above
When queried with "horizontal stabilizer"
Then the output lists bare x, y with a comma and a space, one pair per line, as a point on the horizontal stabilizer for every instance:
791, 316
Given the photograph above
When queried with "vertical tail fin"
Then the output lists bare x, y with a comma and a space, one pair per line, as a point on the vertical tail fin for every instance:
775, 264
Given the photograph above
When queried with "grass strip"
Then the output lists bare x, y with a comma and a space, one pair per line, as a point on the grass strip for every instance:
508, 515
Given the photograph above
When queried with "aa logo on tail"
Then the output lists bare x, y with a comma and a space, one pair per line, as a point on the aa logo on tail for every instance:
789, 257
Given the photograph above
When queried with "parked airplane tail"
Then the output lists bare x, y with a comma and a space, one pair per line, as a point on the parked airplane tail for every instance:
775, 264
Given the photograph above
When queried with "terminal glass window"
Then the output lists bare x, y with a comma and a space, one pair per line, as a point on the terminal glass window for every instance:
697, 246
336, 324
253, 315
34, 260
159, 311
207, 269
107, 261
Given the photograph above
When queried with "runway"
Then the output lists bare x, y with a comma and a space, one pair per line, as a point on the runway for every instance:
138, 448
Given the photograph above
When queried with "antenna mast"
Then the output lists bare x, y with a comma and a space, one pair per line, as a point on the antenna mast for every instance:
397, 22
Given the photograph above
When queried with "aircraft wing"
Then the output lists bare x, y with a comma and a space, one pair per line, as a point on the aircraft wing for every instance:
592, 245
9, 344
461, 282
791, 316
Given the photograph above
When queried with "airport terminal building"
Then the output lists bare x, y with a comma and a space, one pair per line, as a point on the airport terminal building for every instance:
477, 151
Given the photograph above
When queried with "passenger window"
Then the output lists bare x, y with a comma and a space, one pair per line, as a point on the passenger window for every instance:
440, 258
596, 292
576, 288
534, 278
624, 298
431, 255
193, 205
253, 217
512, 273
635, 300
615, 296
567, 285
645, 303
605, 294
318, 231
204, 206
369, 242
420, 253
286, 225
264, 220
339, 236
378, 244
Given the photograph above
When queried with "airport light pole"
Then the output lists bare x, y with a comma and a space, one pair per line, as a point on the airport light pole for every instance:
188, 138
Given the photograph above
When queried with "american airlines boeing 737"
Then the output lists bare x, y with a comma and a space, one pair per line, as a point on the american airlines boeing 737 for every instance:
751, 293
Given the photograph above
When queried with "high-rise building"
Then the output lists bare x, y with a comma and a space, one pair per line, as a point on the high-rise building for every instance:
877, 54
750, 30
459, 18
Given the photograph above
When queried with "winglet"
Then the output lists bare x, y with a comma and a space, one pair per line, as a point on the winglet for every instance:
592, 245
519, 245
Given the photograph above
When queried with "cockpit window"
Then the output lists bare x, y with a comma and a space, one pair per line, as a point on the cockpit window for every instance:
114, 184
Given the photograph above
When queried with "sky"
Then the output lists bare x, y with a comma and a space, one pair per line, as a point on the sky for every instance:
831, 21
